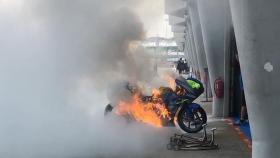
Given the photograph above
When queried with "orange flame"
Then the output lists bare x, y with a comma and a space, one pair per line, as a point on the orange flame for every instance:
147, 112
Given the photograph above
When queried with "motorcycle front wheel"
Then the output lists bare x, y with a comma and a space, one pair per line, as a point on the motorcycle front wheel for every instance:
191, 121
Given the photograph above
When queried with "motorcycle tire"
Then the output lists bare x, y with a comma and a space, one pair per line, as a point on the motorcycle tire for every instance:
191, 124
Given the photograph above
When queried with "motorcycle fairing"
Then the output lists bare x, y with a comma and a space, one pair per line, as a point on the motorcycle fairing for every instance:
193, 106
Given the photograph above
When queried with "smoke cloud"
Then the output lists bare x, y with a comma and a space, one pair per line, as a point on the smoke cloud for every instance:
57, 57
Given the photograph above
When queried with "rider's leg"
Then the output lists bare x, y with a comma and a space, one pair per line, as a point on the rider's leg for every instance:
243, 113
243, 110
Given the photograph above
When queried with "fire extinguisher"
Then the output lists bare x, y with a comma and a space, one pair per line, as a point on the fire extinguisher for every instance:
219, 87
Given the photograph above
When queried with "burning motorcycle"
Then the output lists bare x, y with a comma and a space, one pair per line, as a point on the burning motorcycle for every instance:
165, 107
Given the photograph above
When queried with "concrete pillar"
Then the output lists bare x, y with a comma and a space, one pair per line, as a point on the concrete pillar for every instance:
191, 40
229, 33
213, 16
190, 52
257, 28
198, 39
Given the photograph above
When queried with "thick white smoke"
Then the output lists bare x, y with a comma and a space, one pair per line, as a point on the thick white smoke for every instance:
56, 57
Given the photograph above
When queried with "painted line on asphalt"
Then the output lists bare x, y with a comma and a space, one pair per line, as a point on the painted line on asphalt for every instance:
241, 135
